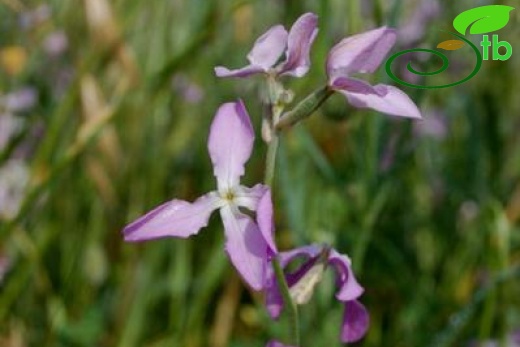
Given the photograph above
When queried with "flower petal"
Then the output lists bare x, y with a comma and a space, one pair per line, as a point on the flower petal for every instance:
355, 322
388, 99
310, 251
265, 53
273, 297
245, 246
249, 197
268, 48
304, 280
301, 37
353, 85
176, 218
360, 53
349, 288
264, 217
230, 143
246, 71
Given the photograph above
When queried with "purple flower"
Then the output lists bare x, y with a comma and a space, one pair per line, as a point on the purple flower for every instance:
56, 43
34, 17
230, 144
512, 340
274, 343
434, 125
364, 53
269, 47
189, 90
9, 127
302, 281
20, 100
412, 32
14, 180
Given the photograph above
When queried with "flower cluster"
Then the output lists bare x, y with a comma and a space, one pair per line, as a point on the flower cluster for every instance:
358, 54
250, 242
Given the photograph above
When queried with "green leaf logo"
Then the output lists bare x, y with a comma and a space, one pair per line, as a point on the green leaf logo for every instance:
451, 45
483, 19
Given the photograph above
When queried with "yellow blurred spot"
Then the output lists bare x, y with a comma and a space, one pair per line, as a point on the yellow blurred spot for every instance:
451, 45
249, 315
242, 19
464, 287
13, 59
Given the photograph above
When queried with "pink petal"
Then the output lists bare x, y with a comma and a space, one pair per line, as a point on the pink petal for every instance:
273, 297
355, 322
246, 71
176, 218
388, 99
264, 217
230, 143
268, 48
360, 53
349, 288
353, 85
307, 252
245, 246
265, 53
249, 197
301, 37
303, 281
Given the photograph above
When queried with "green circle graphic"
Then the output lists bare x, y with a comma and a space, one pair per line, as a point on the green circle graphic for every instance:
445, 64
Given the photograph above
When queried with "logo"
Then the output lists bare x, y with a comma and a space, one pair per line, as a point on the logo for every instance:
480, 20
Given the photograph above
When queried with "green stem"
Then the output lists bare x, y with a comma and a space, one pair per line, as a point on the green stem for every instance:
270, 161
288, 302
270, 165
305, 108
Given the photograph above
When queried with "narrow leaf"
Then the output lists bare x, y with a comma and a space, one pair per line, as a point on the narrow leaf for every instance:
483, 19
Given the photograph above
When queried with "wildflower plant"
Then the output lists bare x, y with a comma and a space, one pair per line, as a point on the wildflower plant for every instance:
250, 242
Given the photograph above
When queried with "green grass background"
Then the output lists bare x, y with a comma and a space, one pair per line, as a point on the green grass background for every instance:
430, 222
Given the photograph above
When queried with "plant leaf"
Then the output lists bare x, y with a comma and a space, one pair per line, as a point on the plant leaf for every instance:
483, 19
451, 45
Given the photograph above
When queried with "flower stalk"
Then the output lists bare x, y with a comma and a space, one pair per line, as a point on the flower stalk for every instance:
305, 108
288, 301
270, 164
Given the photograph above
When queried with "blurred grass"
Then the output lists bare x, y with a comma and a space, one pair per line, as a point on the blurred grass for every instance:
429, 217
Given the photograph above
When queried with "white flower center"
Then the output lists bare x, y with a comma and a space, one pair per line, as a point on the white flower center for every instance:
228, 195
